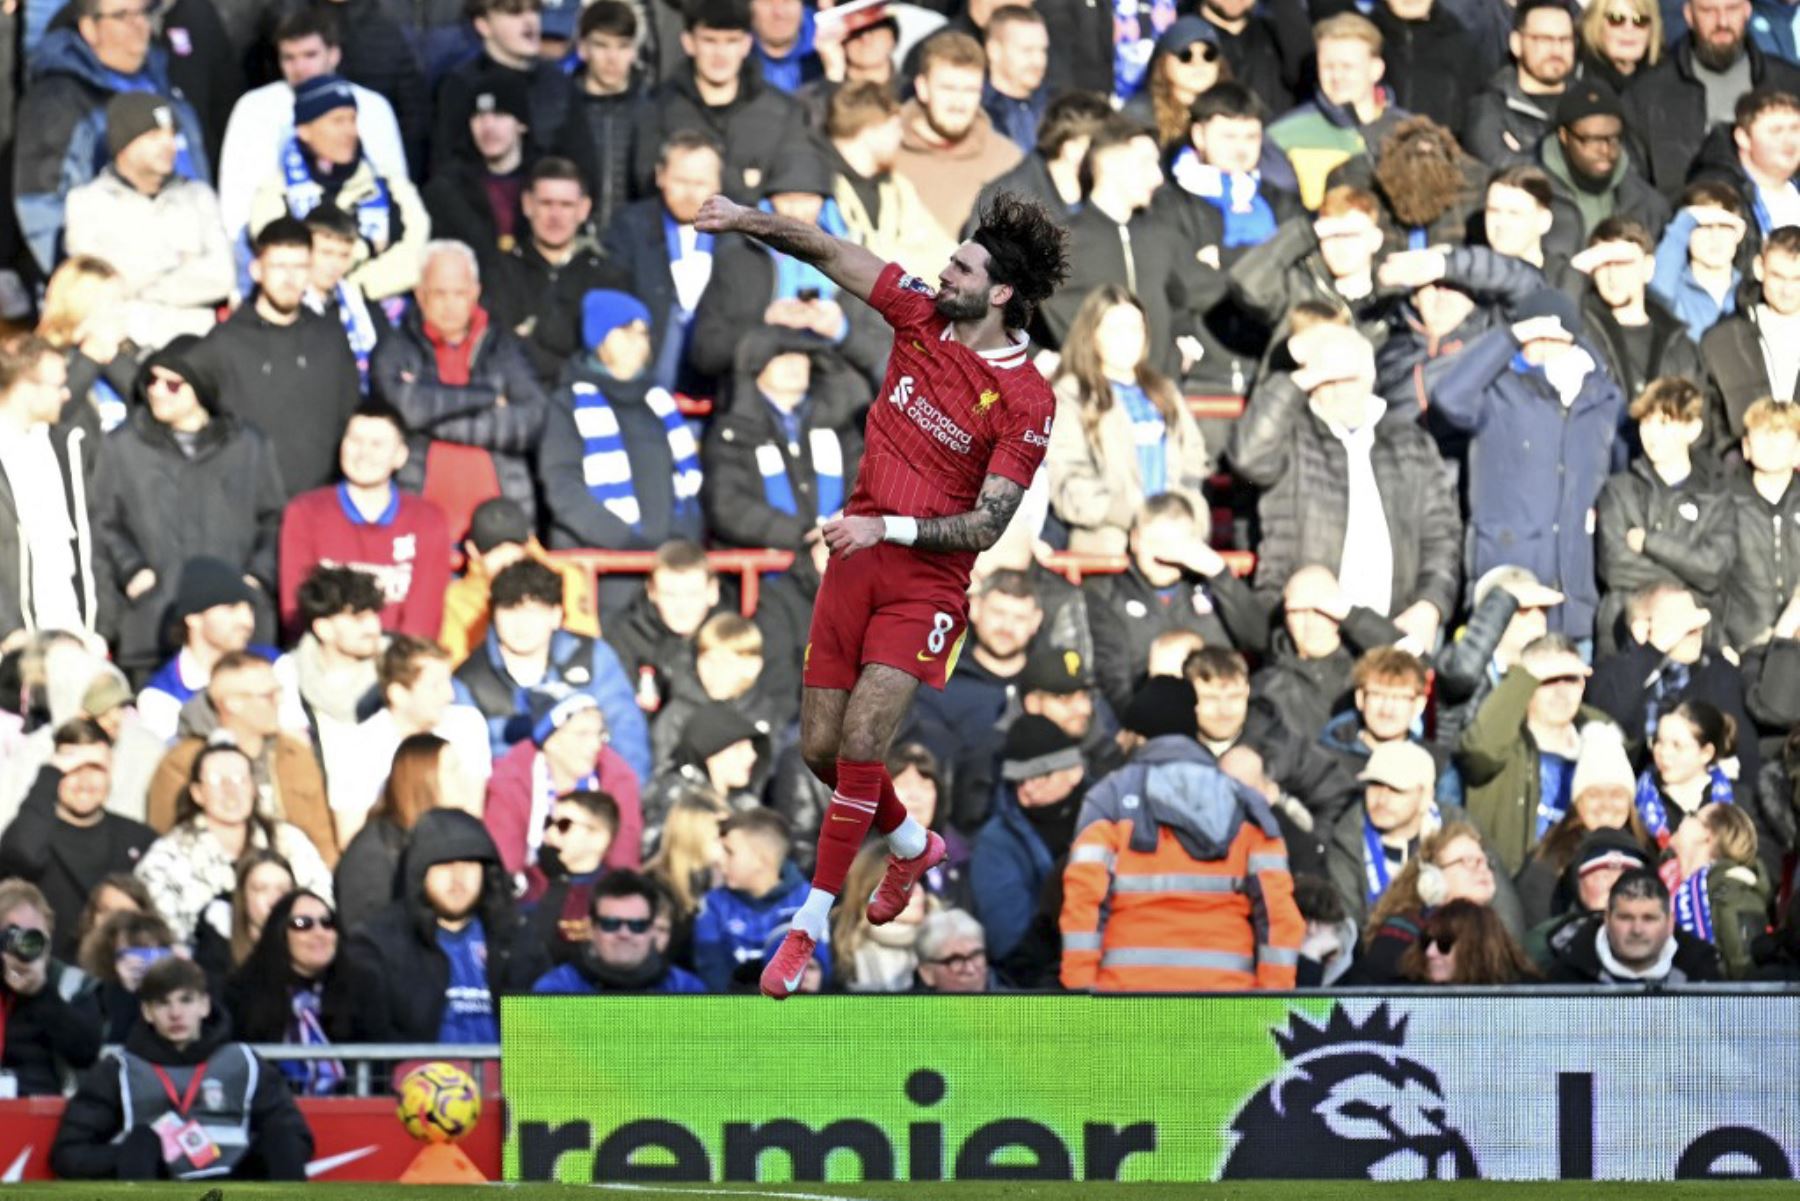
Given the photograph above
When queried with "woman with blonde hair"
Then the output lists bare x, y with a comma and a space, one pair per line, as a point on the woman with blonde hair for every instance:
1122, 433
83, 316
1618, 39
1453, 864
1718, 888
687, 862
877, 958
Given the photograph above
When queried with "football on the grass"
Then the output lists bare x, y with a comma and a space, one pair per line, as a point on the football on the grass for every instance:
439, 1103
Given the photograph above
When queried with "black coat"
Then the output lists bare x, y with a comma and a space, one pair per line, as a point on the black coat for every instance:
404, 373
1766, 566
367, 876
1282, 446
58, 1029
1126, 614
1665, 111
755, 129
394, 960
379, 56
636, 243
541, 302
1261, 62
1308, 692
738, 511
456, 196
157, 508
296, 383
1081, 46
600, 138
1148, 255
1737, 376
37, 847
550, 93
741, 288
93, 1144
1687, 537
1430, 64
1620, 689
1575, 957
1672, 352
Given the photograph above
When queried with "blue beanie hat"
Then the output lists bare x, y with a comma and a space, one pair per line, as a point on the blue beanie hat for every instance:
319, 95
603, 311
552, 707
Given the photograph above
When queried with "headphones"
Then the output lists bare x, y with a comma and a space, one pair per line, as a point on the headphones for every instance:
1432, 887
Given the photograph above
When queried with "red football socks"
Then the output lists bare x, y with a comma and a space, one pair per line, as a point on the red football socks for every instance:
854, 805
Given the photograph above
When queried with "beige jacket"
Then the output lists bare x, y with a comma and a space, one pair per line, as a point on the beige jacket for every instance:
380, 272
1096, 487
169, 248
950, 178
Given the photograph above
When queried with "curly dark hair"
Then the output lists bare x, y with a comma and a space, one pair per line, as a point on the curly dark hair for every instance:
1027, 249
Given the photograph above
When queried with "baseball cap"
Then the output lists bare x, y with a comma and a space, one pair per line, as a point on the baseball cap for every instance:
1401, 765
1055, 670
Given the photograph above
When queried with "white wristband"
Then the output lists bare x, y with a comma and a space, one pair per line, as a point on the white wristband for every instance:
904, 530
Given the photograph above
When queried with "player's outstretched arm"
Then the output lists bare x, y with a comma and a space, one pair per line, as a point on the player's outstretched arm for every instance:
975, 530
851, 267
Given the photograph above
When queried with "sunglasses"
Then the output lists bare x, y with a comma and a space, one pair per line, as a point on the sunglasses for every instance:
303, 923
1198, 52
1445, 943
562, 825
612, 925
1636, 20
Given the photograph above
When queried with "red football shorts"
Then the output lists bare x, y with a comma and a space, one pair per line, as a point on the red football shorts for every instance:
892, 605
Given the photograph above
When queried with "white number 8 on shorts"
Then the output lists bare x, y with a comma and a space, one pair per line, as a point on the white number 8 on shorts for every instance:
941, 625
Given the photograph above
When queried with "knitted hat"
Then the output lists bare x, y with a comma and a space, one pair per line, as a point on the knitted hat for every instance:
604, 311
131, 115
1602, 760
207, 583
1549, 302
496, 522
714, 727
1037, 746
320, 95
1402, 765
1164, 705
1053, 670
551, 709
501, 92
1588, 98
1609, 848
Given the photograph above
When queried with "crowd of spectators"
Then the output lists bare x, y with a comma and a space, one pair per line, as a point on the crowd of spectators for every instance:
335, 321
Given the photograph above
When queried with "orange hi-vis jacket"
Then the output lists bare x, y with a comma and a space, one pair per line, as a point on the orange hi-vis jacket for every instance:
1177, 881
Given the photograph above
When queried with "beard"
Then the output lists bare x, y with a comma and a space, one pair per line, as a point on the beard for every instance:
1718, 58
961, 306
947, 132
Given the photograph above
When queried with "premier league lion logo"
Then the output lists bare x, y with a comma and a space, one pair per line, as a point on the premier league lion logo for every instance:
1349, 1105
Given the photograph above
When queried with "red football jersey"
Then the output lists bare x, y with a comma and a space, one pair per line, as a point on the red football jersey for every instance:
947, 416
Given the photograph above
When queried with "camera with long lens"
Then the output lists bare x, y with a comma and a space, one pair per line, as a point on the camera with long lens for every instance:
23, 943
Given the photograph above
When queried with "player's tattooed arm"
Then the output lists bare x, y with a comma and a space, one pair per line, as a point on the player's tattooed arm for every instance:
981, 526
851, 267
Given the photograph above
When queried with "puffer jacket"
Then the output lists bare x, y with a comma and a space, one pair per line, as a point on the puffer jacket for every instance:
1536, 467
1270, 279
1282, 446
1767, 564
1177, 880
1737, 376
760, 488
404, 372
1505, 124
754, 129
1687, 536
78, 466
157, 507
400, 973
381, 272
62, 133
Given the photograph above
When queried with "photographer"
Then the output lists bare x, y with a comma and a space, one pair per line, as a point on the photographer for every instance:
49, 1016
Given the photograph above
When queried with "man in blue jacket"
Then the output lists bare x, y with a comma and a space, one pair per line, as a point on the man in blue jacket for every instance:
762, 890
526, 648
1542, 415
1032, 825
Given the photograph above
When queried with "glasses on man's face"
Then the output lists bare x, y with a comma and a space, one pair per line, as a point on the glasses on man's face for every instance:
1636, 20
612, 925
960, 963
1595, 139
303, 922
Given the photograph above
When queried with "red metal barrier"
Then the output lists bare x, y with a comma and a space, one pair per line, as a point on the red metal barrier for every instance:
1073, 567
353, 1139
747, 565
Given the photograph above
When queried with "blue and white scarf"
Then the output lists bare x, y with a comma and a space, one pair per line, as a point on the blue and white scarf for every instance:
1693, 905
1376, 876
1149, 433
1249, 218
1655, 814
607, 467
374, 215
313, 1077
828, 473
353, 314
